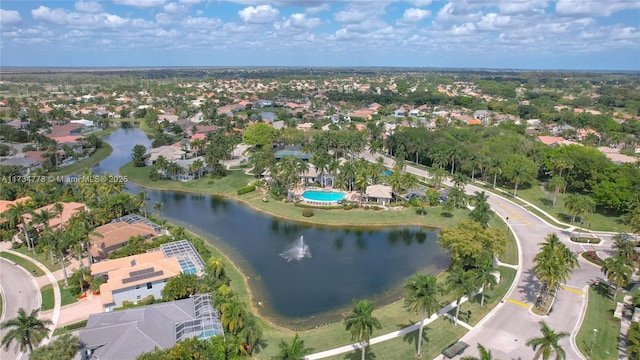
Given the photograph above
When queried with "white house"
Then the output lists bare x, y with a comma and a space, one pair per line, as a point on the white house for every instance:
379, 193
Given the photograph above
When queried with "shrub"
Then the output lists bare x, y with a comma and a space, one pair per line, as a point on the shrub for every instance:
246, 189
306, 212
97, 281
348, 206
148, 300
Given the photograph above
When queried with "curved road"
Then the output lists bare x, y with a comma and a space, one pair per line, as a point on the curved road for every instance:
506, 329
19, 290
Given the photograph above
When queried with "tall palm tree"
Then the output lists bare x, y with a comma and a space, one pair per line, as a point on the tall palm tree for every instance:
43, 217
484, 277
617, 269
547, 344
361, 322
421, 296
554, 263
484, 354
26, 330
14, 216
495, 168
293, 351
555, 185
633, 341
459, 284
481, 212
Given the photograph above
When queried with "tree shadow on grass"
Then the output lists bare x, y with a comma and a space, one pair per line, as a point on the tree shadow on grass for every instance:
412, 337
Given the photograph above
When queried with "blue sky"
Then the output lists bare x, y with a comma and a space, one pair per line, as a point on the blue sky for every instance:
535, 34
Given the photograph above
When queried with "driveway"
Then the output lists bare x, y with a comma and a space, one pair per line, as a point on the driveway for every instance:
19, 290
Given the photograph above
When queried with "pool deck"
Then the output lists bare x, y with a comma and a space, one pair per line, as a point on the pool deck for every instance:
351, 196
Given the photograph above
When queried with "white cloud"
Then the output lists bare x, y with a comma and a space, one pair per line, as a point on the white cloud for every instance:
493, 21
299, 21
51, 16
318, 9
74, 19
522, 6
420, 3
190, 2
9, 17
593, 8
351, 16
141, 3
261, 14
176, 9
464, 29
88, 6
414, 15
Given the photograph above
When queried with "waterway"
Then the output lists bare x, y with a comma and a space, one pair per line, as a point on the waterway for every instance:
345, 263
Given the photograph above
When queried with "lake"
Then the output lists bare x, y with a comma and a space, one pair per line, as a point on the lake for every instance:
340, 264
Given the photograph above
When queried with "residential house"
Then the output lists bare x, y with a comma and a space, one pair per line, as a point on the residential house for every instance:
170, 153
550, 140
26, 163
134, 278
115, 235
6, 204
379, 193
59, 219
126, 334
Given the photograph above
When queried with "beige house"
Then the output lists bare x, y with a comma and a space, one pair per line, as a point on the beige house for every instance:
113, 236
379, 193
171, 153
133, 278
59, 219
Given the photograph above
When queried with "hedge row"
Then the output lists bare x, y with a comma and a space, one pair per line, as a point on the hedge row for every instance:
246, 189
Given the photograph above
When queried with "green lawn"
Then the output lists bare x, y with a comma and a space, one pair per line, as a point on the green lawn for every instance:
66, 297
599, 316
95, 158
437, 336
510, 255
42, 257
537, 196
26, 264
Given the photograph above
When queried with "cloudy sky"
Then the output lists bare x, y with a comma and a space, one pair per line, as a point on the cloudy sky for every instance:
534, 34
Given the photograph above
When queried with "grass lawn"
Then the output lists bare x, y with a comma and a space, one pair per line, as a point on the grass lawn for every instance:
510, 255
89, 162
42, 257
437, 336
66, 297
599, 316
599, 220
26, 264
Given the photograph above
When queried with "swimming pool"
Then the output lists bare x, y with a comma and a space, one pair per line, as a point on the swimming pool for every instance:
323, 196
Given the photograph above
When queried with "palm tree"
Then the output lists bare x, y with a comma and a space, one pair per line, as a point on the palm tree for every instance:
554, 263
555, 184
484, 354
571, 203
43, 217
361, 322
481, 212
617, 270
548, 343
421, 296
14, 216
495, 168
294, 351
484, 277
459, 284
438, 175
633, 341
26, 330
232, 315
624, 246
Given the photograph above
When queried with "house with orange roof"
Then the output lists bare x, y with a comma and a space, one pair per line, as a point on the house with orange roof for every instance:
59, 219
134, 278
6, 204
114, 235
550, 140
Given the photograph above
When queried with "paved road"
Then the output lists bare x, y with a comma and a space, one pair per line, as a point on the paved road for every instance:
19, 289
506, 330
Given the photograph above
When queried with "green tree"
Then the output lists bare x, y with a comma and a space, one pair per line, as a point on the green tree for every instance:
27, 331
180, 287
624, 246
138, 155
421, 297
190, 349
555, 185
633, 341
361, 322
554, 263
481, 212
484, 354
293, 351
519, 169
64, 347
484, 276
618, 270
233, 314
469, 241
459, 284
259, 134
547, 344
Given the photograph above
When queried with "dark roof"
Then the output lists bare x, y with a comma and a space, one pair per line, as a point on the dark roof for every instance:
128, 333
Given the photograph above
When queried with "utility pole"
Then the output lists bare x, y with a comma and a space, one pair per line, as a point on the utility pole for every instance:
593, 338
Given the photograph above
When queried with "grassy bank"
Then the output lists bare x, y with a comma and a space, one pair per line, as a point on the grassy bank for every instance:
599, 316
66, 297
89, 162
26, 264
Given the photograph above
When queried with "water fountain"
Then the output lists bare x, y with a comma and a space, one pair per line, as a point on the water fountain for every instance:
297, 251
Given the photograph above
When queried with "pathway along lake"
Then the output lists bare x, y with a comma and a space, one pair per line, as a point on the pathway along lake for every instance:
344, 263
